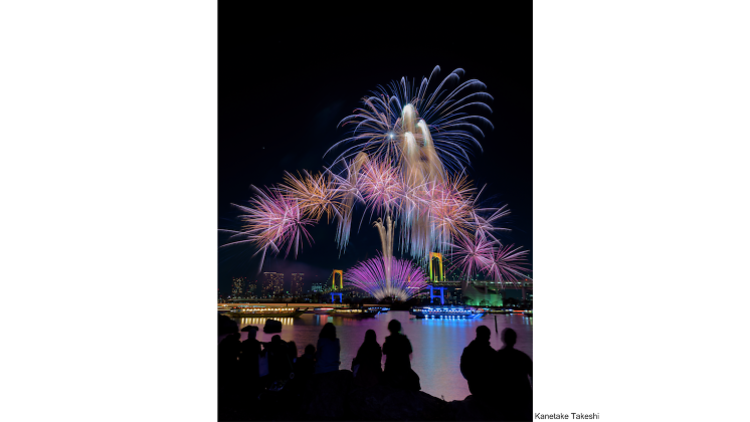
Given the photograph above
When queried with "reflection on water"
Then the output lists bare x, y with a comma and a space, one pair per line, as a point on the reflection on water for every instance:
437, 344
262, 321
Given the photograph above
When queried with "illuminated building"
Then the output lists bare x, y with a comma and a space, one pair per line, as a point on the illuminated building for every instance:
251, 288
317, 287
273, 284
237, 286
297, 283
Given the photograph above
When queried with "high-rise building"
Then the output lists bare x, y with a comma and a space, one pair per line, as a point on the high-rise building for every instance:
251, 288
273, 284
238, 286
296, 287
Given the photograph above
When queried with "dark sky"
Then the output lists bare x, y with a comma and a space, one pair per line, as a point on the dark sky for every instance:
282, 94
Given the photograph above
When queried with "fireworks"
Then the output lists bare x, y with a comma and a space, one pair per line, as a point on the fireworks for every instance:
509, 264
403, 138
273, 222
405, 160
394, 120
406, 279
473, 255
315, 195
380, 185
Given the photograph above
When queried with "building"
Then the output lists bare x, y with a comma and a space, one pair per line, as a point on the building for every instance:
317, 287
297, 284
273, 284
238, 286
251, 288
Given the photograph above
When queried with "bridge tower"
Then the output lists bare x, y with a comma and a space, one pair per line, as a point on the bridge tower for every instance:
436, 276
440, 295
433, 275
341, 279
340, 295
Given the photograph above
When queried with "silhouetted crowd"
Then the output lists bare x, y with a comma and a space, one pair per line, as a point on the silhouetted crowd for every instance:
252, 368
503, 375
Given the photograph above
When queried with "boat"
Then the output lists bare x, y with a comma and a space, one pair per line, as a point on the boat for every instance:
500, 311
353, 313
380, 309
319, 311
447, 312
263, 312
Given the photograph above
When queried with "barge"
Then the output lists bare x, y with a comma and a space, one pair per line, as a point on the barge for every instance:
263, 312
353, 313
447, 312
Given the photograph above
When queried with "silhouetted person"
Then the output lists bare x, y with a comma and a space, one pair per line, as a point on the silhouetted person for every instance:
367, 362
305, 365
291, 349
329, 350
279, 366
229, 350
514, 371
478, 364
397, 350
249, 353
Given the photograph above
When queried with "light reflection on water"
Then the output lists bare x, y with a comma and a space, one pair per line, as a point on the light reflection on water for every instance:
437, 344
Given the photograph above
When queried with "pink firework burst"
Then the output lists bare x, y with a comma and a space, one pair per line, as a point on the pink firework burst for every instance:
380, 184
273, 222
450, 210
509, 264
473, 255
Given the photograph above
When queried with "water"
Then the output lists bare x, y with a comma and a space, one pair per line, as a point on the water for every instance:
437, 344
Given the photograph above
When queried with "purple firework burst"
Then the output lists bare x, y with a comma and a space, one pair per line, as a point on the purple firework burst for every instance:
407, 279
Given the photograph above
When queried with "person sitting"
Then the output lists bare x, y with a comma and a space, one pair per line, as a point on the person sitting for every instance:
397, 349
304, 367
477, 364
366, 366
514, 372
329, 350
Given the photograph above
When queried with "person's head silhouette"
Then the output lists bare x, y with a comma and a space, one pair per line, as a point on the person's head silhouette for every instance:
291, 348
252, 334
394, 326
370, 336
309, 349
509, 337
328, 331
483, 333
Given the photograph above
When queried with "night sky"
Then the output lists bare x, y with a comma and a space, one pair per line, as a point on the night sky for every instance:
281, 99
